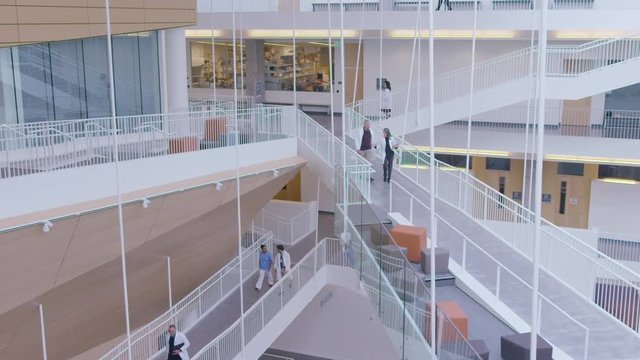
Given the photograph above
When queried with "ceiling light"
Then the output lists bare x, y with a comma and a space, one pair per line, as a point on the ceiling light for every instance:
218, 186
300, 34
620, 181
458, 151
593, 160
198, 33
455, 34
46, 226
145, 203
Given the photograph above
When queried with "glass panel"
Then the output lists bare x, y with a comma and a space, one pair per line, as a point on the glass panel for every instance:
202, 66
33, 80
150, 73
312, 67
68, 79
96, 76
126, 64
8, 114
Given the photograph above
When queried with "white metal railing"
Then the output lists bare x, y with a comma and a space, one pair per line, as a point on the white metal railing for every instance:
564, 61
465, 5
623, 247
151, 338
566, 257
289, 221
51, 145
329, 148
507, 286
561, 121
206, 102
227, 6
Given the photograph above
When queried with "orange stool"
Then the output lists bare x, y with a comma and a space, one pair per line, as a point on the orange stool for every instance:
413, 238
183, 144
214, 128
458, 318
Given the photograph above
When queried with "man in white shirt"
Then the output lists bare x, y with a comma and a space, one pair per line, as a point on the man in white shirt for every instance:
177, 345
282, 263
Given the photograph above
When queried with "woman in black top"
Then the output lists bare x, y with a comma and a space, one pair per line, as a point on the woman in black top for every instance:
389, 146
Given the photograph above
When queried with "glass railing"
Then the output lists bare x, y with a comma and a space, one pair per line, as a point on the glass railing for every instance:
390, 278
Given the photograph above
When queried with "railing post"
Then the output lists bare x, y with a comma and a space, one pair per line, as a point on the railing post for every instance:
391, 197
169, 283
43, 336
464, 254
485, 205
411, 210
498, 271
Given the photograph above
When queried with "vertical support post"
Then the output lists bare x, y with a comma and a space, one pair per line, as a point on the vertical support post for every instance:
485, 204
464, 254
542, 74
43, 336
114, 129
169, 283
411, 210
391, 196
432, 198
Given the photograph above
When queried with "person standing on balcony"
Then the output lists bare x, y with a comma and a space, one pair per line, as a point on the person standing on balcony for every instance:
366, 142
177, 344
389, 146
265, 263
386, 99
282, 264
445, 2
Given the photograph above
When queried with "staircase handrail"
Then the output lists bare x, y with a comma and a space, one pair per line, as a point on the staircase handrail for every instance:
151, 329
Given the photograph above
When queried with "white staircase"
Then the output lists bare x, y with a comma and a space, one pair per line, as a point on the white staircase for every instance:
574, 72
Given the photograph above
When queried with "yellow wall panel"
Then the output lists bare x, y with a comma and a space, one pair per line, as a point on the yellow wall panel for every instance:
8, 15
52, 15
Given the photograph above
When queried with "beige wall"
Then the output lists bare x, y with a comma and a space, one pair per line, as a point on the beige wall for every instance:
75, 273
578, 189
27, 21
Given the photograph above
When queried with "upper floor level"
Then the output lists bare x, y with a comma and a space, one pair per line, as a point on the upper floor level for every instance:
573, 18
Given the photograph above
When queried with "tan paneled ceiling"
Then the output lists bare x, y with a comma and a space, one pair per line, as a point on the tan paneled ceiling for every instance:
29, 21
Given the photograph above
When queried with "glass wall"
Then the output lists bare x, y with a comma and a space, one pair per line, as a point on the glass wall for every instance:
69, 79
312, 66
202, 65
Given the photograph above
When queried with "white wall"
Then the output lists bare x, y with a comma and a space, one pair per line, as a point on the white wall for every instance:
44, 191
338, 324
449, 55
614, 207
309, 189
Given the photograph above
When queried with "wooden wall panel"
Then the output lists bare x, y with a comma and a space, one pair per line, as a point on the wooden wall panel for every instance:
87, 310
28, 21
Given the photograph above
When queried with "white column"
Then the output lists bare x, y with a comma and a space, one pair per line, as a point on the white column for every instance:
176, 70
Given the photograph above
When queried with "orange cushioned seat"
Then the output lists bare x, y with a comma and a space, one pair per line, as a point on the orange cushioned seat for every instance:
214, 128
183, 144
457, 316
413, 238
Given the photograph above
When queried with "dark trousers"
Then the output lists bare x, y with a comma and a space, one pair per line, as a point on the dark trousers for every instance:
446, 3
387, 166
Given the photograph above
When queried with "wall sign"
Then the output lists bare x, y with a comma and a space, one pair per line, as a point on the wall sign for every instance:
517, 195
546, 198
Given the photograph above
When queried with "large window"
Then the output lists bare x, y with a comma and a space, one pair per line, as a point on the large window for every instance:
619, 172
574, 169
498, 164
68, 80
312, 66
208, 70
459, 161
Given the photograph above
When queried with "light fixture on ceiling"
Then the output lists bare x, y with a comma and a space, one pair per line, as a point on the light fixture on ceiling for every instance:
592, 160
300, 34
454, 34
46, 226
218, 186
201, 33
145, 203
620, 181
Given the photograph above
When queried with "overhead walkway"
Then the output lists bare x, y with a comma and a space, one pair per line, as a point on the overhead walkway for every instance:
573, 72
